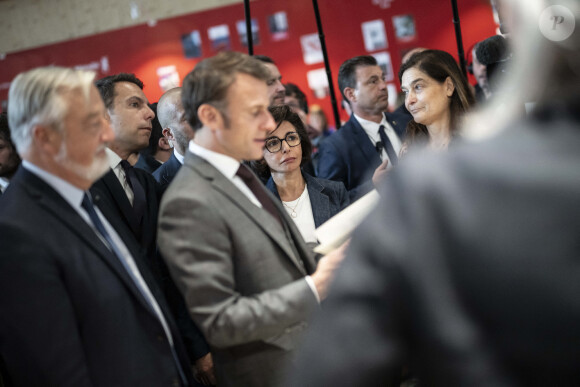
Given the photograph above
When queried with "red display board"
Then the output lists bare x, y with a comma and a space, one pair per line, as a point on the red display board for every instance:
156, 54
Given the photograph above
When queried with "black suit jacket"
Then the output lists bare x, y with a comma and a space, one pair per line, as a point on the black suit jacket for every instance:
469, 269
165, 173
348, 155
70, 315
109, 192
114, 203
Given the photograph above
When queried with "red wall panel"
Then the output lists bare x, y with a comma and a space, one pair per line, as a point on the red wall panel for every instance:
142, 49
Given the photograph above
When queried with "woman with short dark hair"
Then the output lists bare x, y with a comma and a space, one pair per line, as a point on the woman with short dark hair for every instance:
308, 200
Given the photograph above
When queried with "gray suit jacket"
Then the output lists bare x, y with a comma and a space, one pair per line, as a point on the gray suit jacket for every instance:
241, 273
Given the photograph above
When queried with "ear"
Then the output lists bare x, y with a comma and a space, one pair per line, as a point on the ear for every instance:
210, 117
167, 134
163, 144
449, 86
350, 94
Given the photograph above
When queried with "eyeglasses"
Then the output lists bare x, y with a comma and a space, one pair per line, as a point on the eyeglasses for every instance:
274, 144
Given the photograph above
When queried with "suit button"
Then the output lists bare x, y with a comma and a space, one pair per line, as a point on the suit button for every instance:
175, 382
160, 338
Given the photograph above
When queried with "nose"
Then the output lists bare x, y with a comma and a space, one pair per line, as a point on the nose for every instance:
149, 114
269, 124
410, 98
285, 146
108, 135
280, 87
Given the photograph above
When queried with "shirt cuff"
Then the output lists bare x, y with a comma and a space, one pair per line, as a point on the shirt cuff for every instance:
310, 283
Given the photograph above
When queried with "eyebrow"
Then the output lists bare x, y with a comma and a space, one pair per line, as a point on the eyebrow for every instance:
413, 82
136, 97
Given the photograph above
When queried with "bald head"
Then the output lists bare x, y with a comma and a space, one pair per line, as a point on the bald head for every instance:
172, 120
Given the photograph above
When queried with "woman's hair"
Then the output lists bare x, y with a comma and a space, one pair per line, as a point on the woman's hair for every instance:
439, 65
280, 114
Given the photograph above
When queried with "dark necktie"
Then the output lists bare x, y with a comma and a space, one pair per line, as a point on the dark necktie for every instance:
139, 200
87, 204
386, 143
258, 190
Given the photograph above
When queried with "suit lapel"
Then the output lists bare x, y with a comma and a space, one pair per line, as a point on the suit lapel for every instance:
119, 197
261, 217
320, 202
59, 208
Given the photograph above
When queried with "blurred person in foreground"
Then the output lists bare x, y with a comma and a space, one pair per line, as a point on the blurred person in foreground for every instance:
308, 200
476, 282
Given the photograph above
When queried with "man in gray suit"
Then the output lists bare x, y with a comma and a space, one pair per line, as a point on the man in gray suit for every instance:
241, 264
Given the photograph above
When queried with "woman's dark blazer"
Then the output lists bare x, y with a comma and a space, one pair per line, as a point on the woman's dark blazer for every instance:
327, 197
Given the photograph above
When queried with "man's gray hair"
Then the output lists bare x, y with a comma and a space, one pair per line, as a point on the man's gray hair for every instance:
36, 97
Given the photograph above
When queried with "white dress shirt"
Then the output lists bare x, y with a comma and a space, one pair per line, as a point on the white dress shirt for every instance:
115, 164
372, 130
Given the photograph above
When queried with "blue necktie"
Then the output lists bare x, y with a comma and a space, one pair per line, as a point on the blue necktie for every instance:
87, 204
388, 146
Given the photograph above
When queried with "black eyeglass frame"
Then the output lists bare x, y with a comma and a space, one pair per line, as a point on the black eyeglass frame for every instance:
282, 139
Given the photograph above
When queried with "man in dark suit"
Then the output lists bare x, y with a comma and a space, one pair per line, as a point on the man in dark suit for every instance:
371, 138
78, 307
244, 270
132, 194
178, 132
469, 269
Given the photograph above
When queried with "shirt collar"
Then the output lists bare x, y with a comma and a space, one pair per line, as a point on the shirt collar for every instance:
179, 157
72, 194
227, 165
113, 158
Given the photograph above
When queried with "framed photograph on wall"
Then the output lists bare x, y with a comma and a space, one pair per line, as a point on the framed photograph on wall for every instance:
242, 32
311, 49
374, 35
318, 82
384, 61
219, 37
404, 26
191, 44
278, 24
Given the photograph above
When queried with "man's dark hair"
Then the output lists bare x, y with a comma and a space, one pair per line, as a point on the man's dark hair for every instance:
283, 113
294, 91
264, 58
210, 80
347, 71
106, 86
5, 129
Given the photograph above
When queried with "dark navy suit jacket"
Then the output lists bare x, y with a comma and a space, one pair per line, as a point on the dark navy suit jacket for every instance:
165, 173
327, 197
70, 314
114, 203
349, 155
147, 163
